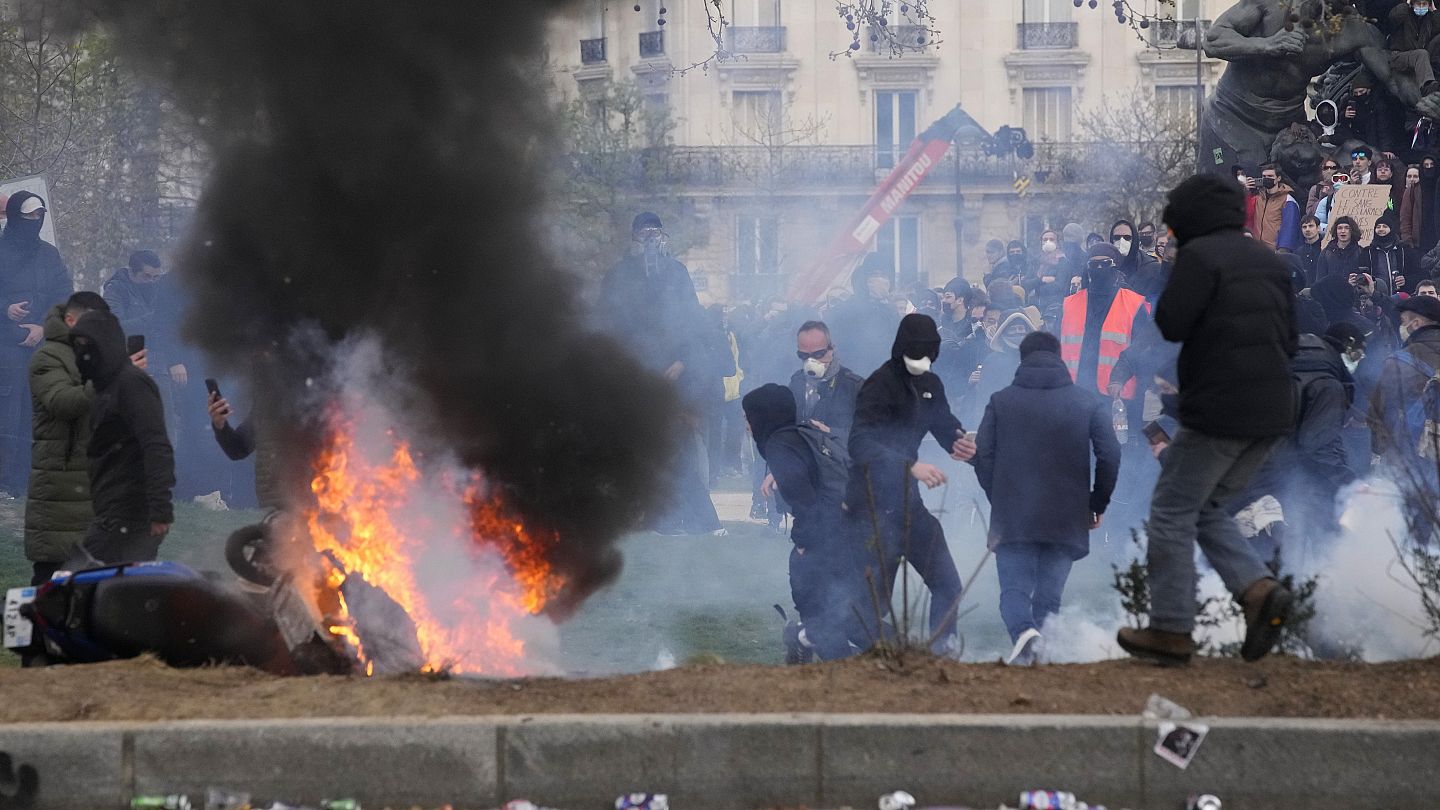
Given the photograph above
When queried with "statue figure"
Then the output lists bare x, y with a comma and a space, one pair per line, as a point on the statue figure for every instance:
1275, 47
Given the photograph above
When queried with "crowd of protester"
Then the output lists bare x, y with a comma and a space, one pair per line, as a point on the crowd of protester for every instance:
1074, 312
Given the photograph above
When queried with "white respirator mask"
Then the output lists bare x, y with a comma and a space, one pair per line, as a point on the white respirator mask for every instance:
917, 367
815, 368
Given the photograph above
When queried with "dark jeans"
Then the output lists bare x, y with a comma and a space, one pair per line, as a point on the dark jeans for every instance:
918, 539
113, 542
1032, 579
1199, 475
829, 594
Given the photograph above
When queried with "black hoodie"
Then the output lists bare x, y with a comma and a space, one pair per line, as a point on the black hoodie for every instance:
770, 410
893, 413
1327, 391
1390, 259
30, 270
1230, 304
132, 467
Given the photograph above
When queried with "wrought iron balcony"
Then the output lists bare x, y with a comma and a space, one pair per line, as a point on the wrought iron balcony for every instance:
755, 39
652, 44
1038, 36
1175, 33
592, 51
908, 37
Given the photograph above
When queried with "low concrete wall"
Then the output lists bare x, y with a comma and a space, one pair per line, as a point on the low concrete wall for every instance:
733, 761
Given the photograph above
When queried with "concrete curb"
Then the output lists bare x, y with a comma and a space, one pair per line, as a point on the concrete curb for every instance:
732, 761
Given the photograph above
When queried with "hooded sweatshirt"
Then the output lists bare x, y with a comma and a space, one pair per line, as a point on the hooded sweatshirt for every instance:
861, 326
893, 413
770, 410
30, 270
132, 466
1230, 305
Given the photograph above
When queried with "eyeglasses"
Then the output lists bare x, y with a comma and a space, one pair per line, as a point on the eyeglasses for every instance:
1329, 167
1358, 155
814, 355
1340, 178
1101, 264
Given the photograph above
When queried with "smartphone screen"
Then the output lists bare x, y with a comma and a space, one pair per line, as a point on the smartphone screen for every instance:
134, 343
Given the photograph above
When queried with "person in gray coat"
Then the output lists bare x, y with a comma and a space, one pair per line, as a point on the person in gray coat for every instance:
1033, 462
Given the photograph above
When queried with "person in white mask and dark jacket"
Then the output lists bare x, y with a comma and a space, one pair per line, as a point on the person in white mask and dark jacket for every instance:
824, 390
887, 520
1134, 262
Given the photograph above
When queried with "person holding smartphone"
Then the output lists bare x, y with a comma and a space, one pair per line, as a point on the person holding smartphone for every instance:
131, 462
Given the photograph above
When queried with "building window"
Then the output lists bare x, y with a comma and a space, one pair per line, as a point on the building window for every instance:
755, 13
1180, 10
757, 245
758, 114
894, 125
1048, 11
1176, 104
1048, 113
898, 245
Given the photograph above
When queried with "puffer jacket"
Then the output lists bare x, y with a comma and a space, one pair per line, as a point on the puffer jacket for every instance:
1231, 306
57, 506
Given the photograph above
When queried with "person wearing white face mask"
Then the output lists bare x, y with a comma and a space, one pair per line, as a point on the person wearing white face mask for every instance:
898, 405
824, 390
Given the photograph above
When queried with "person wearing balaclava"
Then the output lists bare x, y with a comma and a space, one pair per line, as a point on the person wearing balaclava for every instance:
898, 405
132, 466
1098, 323
33, 278
1390, 260
824, 390
864, 323
825, 582
1230, 306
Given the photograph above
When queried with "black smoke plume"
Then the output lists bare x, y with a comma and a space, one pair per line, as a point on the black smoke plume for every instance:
378, 171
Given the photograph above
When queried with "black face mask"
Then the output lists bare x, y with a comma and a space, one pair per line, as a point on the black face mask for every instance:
27, 230
1100, 277
1267, 182
1147, 240
87, 360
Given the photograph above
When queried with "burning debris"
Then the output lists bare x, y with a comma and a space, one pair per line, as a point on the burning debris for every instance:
529, 444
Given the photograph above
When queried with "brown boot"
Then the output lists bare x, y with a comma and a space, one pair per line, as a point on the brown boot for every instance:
1267, 607
1164, 648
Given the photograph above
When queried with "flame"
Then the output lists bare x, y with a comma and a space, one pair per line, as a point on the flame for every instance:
380, 517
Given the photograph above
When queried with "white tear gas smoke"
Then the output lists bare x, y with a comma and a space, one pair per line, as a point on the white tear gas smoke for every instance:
378, 171
1365, 601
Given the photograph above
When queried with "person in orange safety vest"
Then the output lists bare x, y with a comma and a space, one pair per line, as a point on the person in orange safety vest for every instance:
1099, 323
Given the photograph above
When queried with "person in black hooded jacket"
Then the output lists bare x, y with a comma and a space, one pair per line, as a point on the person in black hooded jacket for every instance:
1391, 260
132, 466
900, 403
1135, 264
823, 576
1229, 304
33, 279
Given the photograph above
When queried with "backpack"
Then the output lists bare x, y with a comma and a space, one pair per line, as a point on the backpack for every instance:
1422, 415
831, 459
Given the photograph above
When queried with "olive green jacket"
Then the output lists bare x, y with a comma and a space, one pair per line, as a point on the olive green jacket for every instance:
57, 506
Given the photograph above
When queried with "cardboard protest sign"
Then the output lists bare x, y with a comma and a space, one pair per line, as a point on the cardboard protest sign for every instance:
1364, 204
35, 184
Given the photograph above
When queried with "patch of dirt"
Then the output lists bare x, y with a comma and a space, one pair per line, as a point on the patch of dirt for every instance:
145, 689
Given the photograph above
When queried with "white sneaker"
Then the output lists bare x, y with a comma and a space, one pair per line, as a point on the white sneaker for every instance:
1023, 654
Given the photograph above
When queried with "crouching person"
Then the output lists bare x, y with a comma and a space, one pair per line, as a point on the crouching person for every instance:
809, 468
1033, 462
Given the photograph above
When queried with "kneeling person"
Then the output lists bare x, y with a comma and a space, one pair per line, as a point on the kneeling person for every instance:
1033, 462
809, 467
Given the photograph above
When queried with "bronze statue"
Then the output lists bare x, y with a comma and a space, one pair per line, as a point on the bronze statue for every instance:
1275, 47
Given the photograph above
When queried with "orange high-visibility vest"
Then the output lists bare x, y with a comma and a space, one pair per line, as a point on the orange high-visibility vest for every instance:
1114, 335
